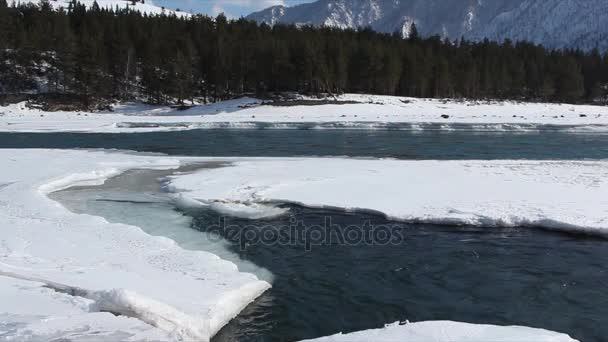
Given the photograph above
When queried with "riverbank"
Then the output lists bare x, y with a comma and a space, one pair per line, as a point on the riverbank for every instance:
89, 277
350, 111
79, 275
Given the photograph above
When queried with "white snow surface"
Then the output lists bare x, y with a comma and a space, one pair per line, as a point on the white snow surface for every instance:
64, 275
444, 331
561, 195
148, 7
369, 112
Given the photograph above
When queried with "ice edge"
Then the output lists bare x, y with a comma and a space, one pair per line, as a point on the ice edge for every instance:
131, 304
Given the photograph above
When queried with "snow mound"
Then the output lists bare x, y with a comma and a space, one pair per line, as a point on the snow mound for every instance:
439, 331
561, 195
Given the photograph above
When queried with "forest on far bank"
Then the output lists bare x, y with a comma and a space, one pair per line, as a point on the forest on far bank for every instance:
118, 54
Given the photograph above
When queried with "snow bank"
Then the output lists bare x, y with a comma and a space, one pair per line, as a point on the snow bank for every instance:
561, 195
439, 331
63, 273
32, 312
355, 112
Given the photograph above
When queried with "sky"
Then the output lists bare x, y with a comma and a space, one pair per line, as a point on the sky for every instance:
232, 8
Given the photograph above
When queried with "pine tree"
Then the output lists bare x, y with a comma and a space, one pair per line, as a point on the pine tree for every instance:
5, 25
100, 53
414, 35
570, 87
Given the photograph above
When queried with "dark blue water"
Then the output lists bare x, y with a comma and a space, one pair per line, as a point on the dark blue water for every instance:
482, 275
280, 143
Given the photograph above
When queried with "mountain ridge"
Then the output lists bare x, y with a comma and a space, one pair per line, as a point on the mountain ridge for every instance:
553, 23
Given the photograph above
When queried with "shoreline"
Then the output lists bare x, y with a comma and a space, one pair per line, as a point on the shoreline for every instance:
356, 112
125, 271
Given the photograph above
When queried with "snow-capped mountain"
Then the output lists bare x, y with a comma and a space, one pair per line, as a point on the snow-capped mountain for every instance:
147, 6
554, 23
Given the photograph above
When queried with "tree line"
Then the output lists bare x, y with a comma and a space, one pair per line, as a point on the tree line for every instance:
101, 53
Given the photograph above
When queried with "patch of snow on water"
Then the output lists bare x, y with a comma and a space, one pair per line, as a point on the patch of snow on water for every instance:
444, 331
561, 195
246, 210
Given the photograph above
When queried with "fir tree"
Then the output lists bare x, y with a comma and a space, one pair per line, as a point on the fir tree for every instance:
100, 53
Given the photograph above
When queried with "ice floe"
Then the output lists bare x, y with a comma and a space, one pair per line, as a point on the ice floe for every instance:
444, 331
561, 195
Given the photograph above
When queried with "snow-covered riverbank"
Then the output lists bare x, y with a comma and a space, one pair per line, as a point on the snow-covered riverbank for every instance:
355, 112
64, 275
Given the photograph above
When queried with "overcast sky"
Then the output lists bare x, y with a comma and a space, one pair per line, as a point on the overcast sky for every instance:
232, 8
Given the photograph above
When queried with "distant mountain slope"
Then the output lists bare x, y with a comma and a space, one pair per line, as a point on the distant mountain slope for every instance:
554, 23
147, 7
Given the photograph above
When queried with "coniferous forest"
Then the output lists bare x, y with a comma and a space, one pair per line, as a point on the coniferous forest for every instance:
100, 53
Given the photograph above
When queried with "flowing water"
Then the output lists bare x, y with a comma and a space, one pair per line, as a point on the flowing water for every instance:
287, 143
517, 276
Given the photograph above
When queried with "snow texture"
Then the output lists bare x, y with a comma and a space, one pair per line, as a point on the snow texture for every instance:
63, 274
444, 331
350, 112
562, 195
